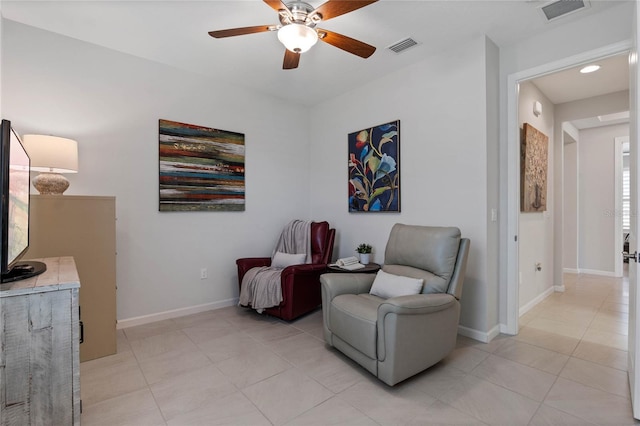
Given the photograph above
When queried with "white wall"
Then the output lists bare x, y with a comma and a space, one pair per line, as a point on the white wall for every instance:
565, 38
596, 153
443, 106
492, 64
110, 103
536, 228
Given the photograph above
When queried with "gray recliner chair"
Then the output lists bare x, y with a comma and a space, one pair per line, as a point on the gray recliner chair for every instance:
398, 337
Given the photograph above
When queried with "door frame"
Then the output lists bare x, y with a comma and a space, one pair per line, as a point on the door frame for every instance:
510, 240
576, 219
619, 142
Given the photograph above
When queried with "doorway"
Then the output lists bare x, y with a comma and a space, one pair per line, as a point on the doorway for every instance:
512, 244
592, 181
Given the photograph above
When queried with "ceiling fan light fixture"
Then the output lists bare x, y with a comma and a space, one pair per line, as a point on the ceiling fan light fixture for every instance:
297, 38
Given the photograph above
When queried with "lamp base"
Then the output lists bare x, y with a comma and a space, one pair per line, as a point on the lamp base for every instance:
50, 183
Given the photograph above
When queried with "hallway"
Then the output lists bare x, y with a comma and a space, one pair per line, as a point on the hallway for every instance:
591, 315
581, 336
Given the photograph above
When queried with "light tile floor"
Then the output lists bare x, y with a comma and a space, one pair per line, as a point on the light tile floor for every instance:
234, 367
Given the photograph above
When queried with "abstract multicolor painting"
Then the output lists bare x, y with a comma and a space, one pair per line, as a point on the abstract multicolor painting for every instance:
533, 180
374, 169
201, 169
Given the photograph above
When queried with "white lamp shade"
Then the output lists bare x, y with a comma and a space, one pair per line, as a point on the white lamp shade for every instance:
297, 38
51, 153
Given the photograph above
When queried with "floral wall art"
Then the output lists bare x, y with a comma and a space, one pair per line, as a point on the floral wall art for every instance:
533, 165
374, 169
200, 168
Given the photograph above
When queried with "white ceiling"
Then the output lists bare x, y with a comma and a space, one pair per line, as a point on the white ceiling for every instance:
175, 33
570, 85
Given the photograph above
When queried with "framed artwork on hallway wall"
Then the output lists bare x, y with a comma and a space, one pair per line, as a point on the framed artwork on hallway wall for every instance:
201, 169
374, 169
533, 165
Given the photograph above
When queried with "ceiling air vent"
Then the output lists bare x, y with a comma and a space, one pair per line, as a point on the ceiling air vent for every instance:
560, 8
403, 45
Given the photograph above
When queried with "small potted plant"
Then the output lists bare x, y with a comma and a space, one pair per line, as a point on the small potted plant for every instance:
365, 251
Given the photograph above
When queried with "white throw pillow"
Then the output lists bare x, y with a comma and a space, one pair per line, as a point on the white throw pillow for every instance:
388, 285
282, 260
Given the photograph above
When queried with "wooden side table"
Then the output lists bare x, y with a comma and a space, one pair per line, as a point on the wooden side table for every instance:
369, 268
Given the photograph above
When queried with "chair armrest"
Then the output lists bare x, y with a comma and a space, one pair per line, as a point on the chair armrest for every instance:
336, 284
333, 285
304, 270
254, 261
416, 304
421, 322
250, 262
301, 284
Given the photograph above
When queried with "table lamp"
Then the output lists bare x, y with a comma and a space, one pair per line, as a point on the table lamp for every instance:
51, 156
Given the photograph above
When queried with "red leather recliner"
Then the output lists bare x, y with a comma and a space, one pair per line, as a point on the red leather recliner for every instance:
300, 283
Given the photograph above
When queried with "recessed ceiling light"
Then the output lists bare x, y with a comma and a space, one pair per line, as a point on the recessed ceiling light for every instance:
590, 68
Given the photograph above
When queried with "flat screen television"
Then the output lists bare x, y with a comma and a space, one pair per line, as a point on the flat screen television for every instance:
14, 208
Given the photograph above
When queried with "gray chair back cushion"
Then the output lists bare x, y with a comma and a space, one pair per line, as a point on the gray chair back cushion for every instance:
427, 252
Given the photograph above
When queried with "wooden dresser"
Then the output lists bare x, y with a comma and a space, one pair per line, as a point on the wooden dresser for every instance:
83, 227
39, 347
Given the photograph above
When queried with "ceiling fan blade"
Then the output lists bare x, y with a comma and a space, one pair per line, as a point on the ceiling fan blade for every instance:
347, 44
277, 5
241, 31
291, 60
333, 8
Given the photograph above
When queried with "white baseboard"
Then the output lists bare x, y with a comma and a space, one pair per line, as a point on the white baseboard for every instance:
590, 272
175, 313
596, 272
481, 336
505, 330
524, 309
556, 288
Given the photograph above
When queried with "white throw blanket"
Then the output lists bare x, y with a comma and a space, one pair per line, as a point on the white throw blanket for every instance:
261, 287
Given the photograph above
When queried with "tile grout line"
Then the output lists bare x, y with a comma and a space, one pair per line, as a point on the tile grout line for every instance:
145, 378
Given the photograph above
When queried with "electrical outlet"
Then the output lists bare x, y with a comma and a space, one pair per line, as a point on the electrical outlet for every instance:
203, 273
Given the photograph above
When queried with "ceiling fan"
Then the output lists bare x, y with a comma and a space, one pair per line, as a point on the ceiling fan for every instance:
298, 32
